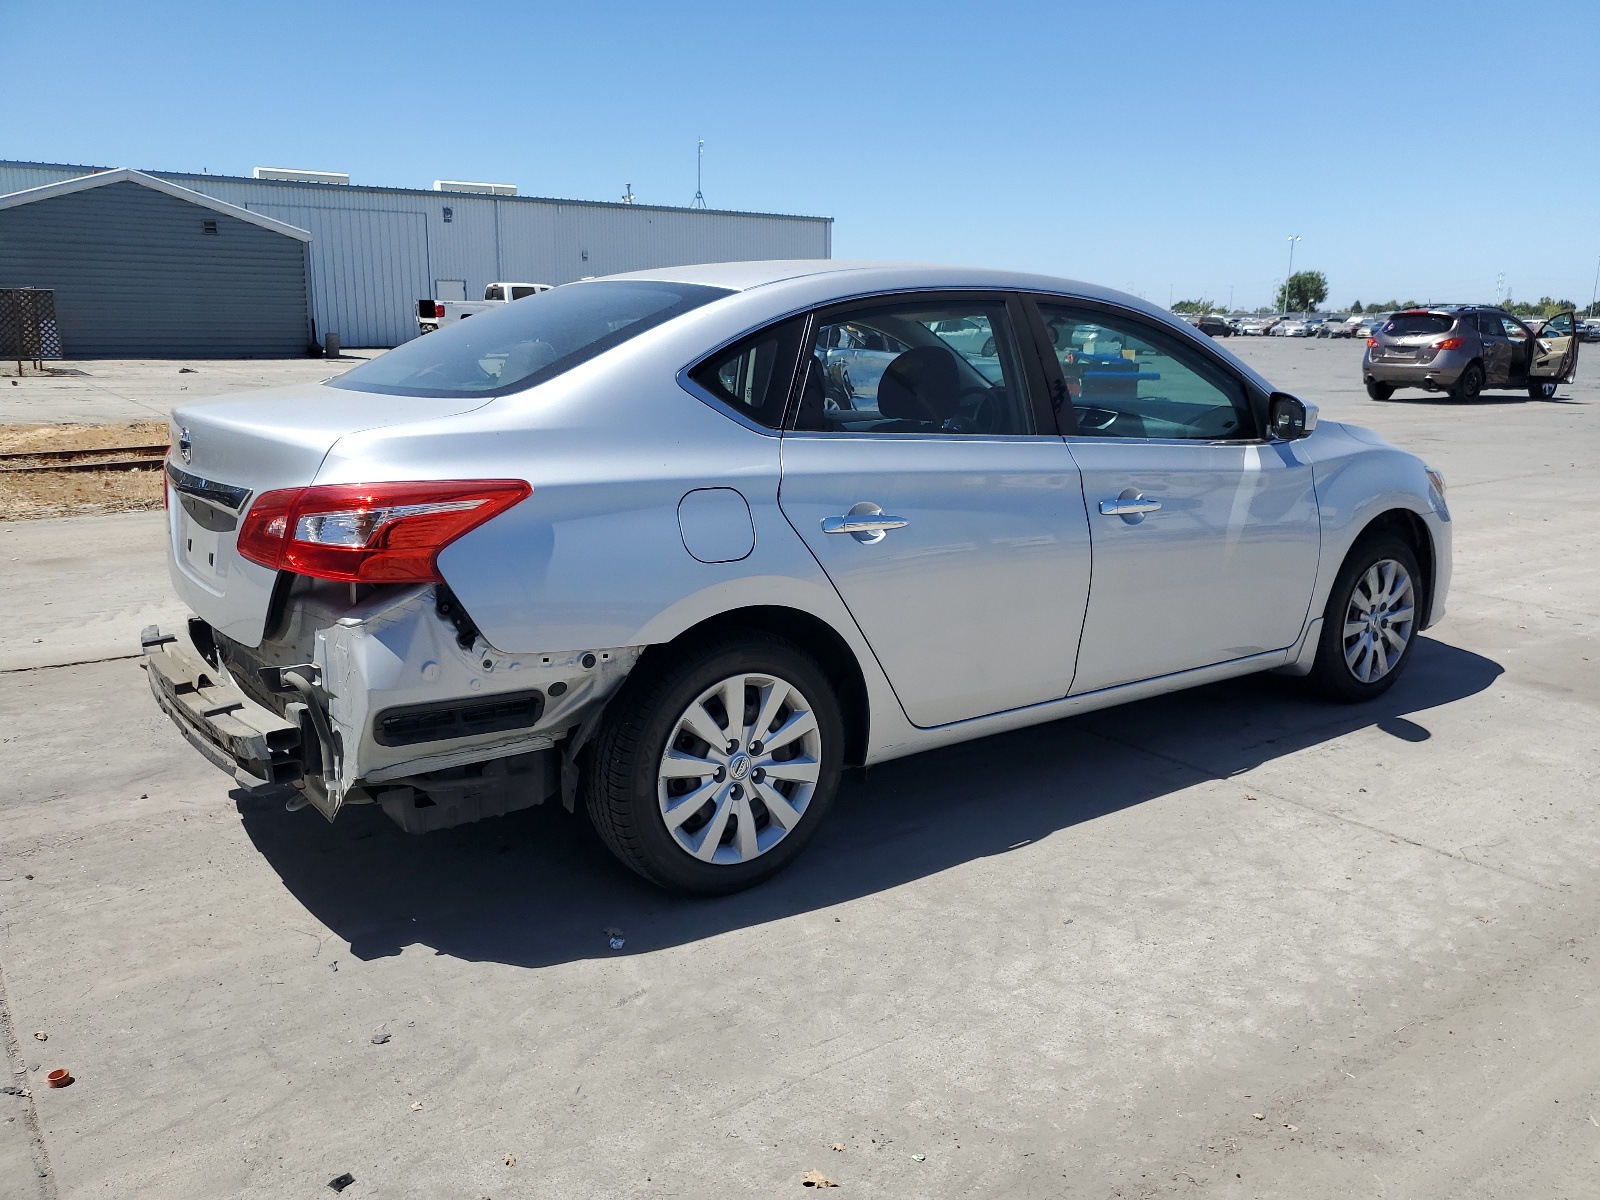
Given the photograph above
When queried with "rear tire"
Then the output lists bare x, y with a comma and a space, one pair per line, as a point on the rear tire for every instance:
1380, 391
760, 802
1469, 384
1545, 389
1371, 622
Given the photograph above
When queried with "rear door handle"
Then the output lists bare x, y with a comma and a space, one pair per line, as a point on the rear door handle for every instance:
1129, 508
865, 524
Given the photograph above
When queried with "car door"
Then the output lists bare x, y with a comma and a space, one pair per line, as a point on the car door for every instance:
1497, 352
1555, 350
941, 503
1204, 534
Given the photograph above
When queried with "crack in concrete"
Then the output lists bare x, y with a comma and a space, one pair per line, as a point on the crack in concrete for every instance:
1392, 835
42, 1170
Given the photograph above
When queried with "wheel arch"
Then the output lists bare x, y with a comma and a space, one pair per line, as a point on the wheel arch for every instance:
1413, 530
819, 639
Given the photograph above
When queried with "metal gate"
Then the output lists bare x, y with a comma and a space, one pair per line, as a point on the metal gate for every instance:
28, 328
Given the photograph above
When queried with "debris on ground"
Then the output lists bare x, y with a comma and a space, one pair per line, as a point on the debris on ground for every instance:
919, 1158
617, 940
416, 1106
1292, 1128
816, 1179
511, 1160
59, 1078
339, 1182
15, 1091
379, 1039
41, 1036
838, 1146
1259, 1116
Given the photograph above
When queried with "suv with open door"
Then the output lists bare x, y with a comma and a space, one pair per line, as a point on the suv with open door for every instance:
1466, 349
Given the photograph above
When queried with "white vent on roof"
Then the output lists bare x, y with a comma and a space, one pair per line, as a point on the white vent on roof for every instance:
482, 189
290, 175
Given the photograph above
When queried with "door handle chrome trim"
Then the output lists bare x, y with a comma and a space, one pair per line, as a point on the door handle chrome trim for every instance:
863, 524
1128, 508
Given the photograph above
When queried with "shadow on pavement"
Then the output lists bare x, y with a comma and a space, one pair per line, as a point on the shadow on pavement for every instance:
537, 888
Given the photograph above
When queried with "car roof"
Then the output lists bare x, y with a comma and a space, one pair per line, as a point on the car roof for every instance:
880, 275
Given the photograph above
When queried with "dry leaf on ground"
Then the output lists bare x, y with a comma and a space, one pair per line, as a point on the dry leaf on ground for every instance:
511, 1160
816, 1179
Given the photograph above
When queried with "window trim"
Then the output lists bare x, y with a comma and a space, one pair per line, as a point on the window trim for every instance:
1027, 359
1255, 401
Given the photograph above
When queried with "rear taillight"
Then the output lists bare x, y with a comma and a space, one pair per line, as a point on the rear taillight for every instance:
428, 308
1372, 341
370, 533
1450, 343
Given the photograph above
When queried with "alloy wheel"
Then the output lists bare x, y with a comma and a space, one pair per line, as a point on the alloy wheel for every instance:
1379, 620
740, 768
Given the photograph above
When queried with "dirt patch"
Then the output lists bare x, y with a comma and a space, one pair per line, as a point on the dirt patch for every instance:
16, 439
32, 494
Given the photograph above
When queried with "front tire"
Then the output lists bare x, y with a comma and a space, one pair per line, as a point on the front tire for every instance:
1380, 391
1371, 622
1469, 383
1545, 389
716, 763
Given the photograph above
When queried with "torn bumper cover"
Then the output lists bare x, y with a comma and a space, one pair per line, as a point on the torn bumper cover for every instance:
255, 745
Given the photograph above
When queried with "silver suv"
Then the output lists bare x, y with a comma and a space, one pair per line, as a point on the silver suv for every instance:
1462, 350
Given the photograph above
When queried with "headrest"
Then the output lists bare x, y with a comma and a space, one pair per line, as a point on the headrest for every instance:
921, 385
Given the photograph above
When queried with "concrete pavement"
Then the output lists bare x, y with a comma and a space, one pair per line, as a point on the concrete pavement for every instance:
1070, 961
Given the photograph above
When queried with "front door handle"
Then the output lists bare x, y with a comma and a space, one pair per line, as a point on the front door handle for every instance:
1133, 507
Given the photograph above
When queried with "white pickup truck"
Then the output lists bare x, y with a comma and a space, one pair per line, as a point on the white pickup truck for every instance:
433, 313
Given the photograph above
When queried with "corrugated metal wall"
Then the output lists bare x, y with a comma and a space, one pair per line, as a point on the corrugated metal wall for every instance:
382, 253
136, 276
369, 267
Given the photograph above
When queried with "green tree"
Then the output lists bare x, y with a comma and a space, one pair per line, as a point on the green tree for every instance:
1303, 291
1356, 308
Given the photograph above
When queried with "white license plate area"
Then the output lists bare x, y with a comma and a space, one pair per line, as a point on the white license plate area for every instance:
200, 547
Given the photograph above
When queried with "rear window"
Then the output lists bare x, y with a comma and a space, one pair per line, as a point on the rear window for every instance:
526, 343
1408, 324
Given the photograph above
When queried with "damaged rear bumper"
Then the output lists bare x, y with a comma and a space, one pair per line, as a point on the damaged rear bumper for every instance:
389, 699
253, 744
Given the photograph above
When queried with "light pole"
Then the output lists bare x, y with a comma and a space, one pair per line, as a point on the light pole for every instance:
1594, 292
1293, 238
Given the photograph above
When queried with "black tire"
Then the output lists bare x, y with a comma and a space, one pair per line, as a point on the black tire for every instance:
622, 774
1380, 391
1331, 674
1469, 384
1545, 389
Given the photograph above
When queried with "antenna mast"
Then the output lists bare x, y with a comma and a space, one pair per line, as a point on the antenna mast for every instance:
700, 157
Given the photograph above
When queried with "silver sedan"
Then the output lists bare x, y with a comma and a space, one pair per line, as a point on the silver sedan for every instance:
683, 545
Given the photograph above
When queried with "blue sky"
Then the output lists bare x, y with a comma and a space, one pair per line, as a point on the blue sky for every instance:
1165, 148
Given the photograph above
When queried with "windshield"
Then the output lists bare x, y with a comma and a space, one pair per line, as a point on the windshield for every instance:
528, 341
1410, 324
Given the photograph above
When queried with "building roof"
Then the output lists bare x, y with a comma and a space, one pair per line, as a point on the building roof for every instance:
430, 193
128, 175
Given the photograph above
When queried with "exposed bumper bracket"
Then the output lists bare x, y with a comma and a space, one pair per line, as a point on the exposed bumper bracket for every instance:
256, 746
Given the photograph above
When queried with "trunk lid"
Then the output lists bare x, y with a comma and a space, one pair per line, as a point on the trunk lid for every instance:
229, 450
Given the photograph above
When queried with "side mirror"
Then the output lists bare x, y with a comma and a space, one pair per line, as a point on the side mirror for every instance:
1290, 417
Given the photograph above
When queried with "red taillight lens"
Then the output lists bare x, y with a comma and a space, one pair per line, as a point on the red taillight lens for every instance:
370, 533
1450, 344
1372, 341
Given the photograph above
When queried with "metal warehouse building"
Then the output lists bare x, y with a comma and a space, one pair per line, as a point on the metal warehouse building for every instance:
160, 263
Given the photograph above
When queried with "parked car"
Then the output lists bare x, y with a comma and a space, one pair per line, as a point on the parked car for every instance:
1462, 350
1337, 327
1257, 326
431, 314
1289, 328
1591, 331
615, 544
1213, 326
